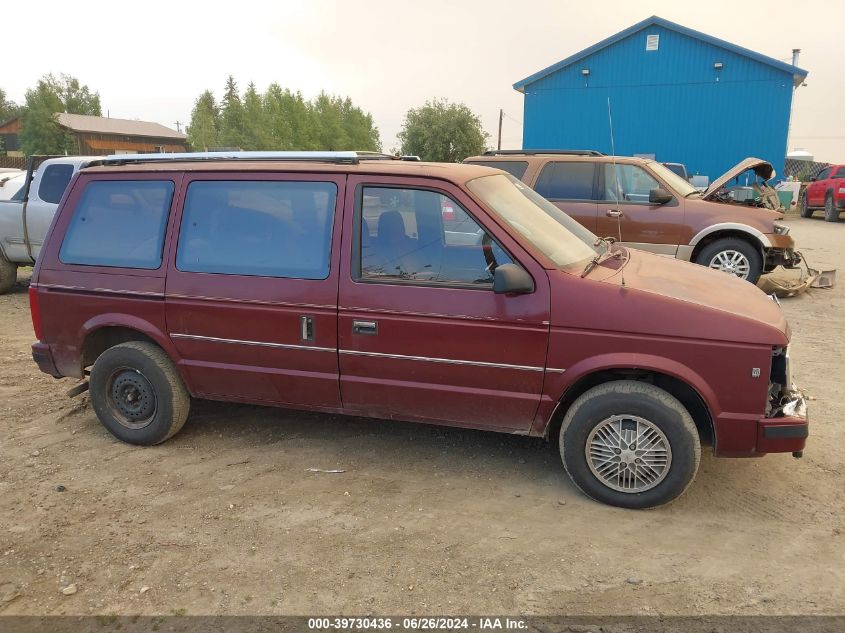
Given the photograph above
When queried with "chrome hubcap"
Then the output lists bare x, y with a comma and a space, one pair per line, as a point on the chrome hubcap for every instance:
132, 398
732, 262
628, 453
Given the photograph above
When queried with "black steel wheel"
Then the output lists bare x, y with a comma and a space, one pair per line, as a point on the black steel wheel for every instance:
138, 394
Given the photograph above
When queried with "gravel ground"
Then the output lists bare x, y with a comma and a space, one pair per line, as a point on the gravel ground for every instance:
226, 518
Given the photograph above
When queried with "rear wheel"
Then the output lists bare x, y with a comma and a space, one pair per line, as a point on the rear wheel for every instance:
806, 211
630, 444
733, 255
831, 211
8, 274
138, 394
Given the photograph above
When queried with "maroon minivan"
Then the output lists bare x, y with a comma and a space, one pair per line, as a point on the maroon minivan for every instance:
439, 293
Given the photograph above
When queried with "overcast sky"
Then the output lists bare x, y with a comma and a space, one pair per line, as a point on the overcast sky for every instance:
150, 60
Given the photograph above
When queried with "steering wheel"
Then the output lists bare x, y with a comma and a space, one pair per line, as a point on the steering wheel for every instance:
487, 250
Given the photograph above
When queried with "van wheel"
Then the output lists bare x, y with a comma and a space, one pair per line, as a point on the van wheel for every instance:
733, 255
138, 394
629, 444
806, 211
8, 274
831, 211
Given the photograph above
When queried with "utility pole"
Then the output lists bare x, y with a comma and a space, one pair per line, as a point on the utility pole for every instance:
501, 114
179, 126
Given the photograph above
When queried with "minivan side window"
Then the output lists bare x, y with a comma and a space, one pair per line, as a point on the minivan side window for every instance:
561, 180
119, 223
423, 237
54, 181
631, 182
258, 228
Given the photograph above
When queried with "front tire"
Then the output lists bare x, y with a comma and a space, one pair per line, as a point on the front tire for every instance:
630, 444
806, 211
733, 255
137, 393
831, 211
8, 274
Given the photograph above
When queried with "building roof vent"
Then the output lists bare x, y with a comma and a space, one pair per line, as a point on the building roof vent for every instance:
652, 42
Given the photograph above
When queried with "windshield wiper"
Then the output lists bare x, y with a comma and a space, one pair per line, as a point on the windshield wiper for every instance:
607, 242
598, 259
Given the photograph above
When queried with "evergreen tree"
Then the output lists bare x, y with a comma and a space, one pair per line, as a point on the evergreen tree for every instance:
232, 127
204, 129
280, 120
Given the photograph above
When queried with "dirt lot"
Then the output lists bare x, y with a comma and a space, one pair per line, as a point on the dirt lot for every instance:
226, 518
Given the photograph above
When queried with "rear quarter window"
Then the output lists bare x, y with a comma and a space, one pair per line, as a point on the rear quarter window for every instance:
119, 223
515, 168
54, 181
562, 180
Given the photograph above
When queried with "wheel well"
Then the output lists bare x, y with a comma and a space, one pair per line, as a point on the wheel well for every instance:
103, 338
718, 235
685, 394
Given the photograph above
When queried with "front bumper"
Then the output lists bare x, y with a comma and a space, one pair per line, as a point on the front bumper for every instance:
781, 252
43, 357
786, 257
786, 425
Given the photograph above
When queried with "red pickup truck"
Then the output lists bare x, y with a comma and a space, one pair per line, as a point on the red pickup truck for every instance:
826, 191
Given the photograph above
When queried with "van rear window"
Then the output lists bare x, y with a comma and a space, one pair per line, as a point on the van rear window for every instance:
119, 223
258, 228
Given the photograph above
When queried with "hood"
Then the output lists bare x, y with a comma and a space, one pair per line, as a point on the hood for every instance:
670, 297
762, 168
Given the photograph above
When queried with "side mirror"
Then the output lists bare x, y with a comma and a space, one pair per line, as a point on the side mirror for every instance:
659, 196
812, 179
511, 279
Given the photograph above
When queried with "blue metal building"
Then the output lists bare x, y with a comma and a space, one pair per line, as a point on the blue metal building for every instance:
676, 94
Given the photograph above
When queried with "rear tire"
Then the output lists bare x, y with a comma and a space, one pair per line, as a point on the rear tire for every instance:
831, 211
806, 211
734, 256
8, 274
630, 444
138, 394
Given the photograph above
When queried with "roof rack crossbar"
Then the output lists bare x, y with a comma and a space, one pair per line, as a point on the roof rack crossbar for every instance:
534, 152
347, 158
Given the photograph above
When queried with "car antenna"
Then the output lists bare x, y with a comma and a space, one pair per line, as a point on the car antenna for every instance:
616, 182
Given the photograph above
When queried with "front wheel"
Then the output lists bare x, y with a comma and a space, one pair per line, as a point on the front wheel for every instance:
630, 444
831, 211
806, 211
733, 256
137, 393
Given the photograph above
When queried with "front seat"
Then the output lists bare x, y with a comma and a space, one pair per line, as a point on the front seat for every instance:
395, 249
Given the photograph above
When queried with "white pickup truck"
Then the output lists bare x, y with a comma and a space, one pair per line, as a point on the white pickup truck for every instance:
25, 218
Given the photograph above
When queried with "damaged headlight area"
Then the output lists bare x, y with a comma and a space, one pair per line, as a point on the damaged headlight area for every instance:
785, 399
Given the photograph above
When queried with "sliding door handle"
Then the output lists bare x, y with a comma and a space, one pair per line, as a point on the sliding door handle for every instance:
364, 327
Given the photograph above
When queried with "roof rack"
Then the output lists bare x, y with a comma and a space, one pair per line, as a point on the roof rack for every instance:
383, 156
534, 152
343, 158
347, 158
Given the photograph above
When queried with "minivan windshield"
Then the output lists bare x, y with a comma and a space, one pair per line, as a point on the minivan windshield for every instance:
681, 186
547, 228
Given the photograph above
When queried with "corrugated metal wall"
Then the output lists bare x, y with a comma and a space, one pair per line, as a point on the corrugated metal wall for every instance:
670, 102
